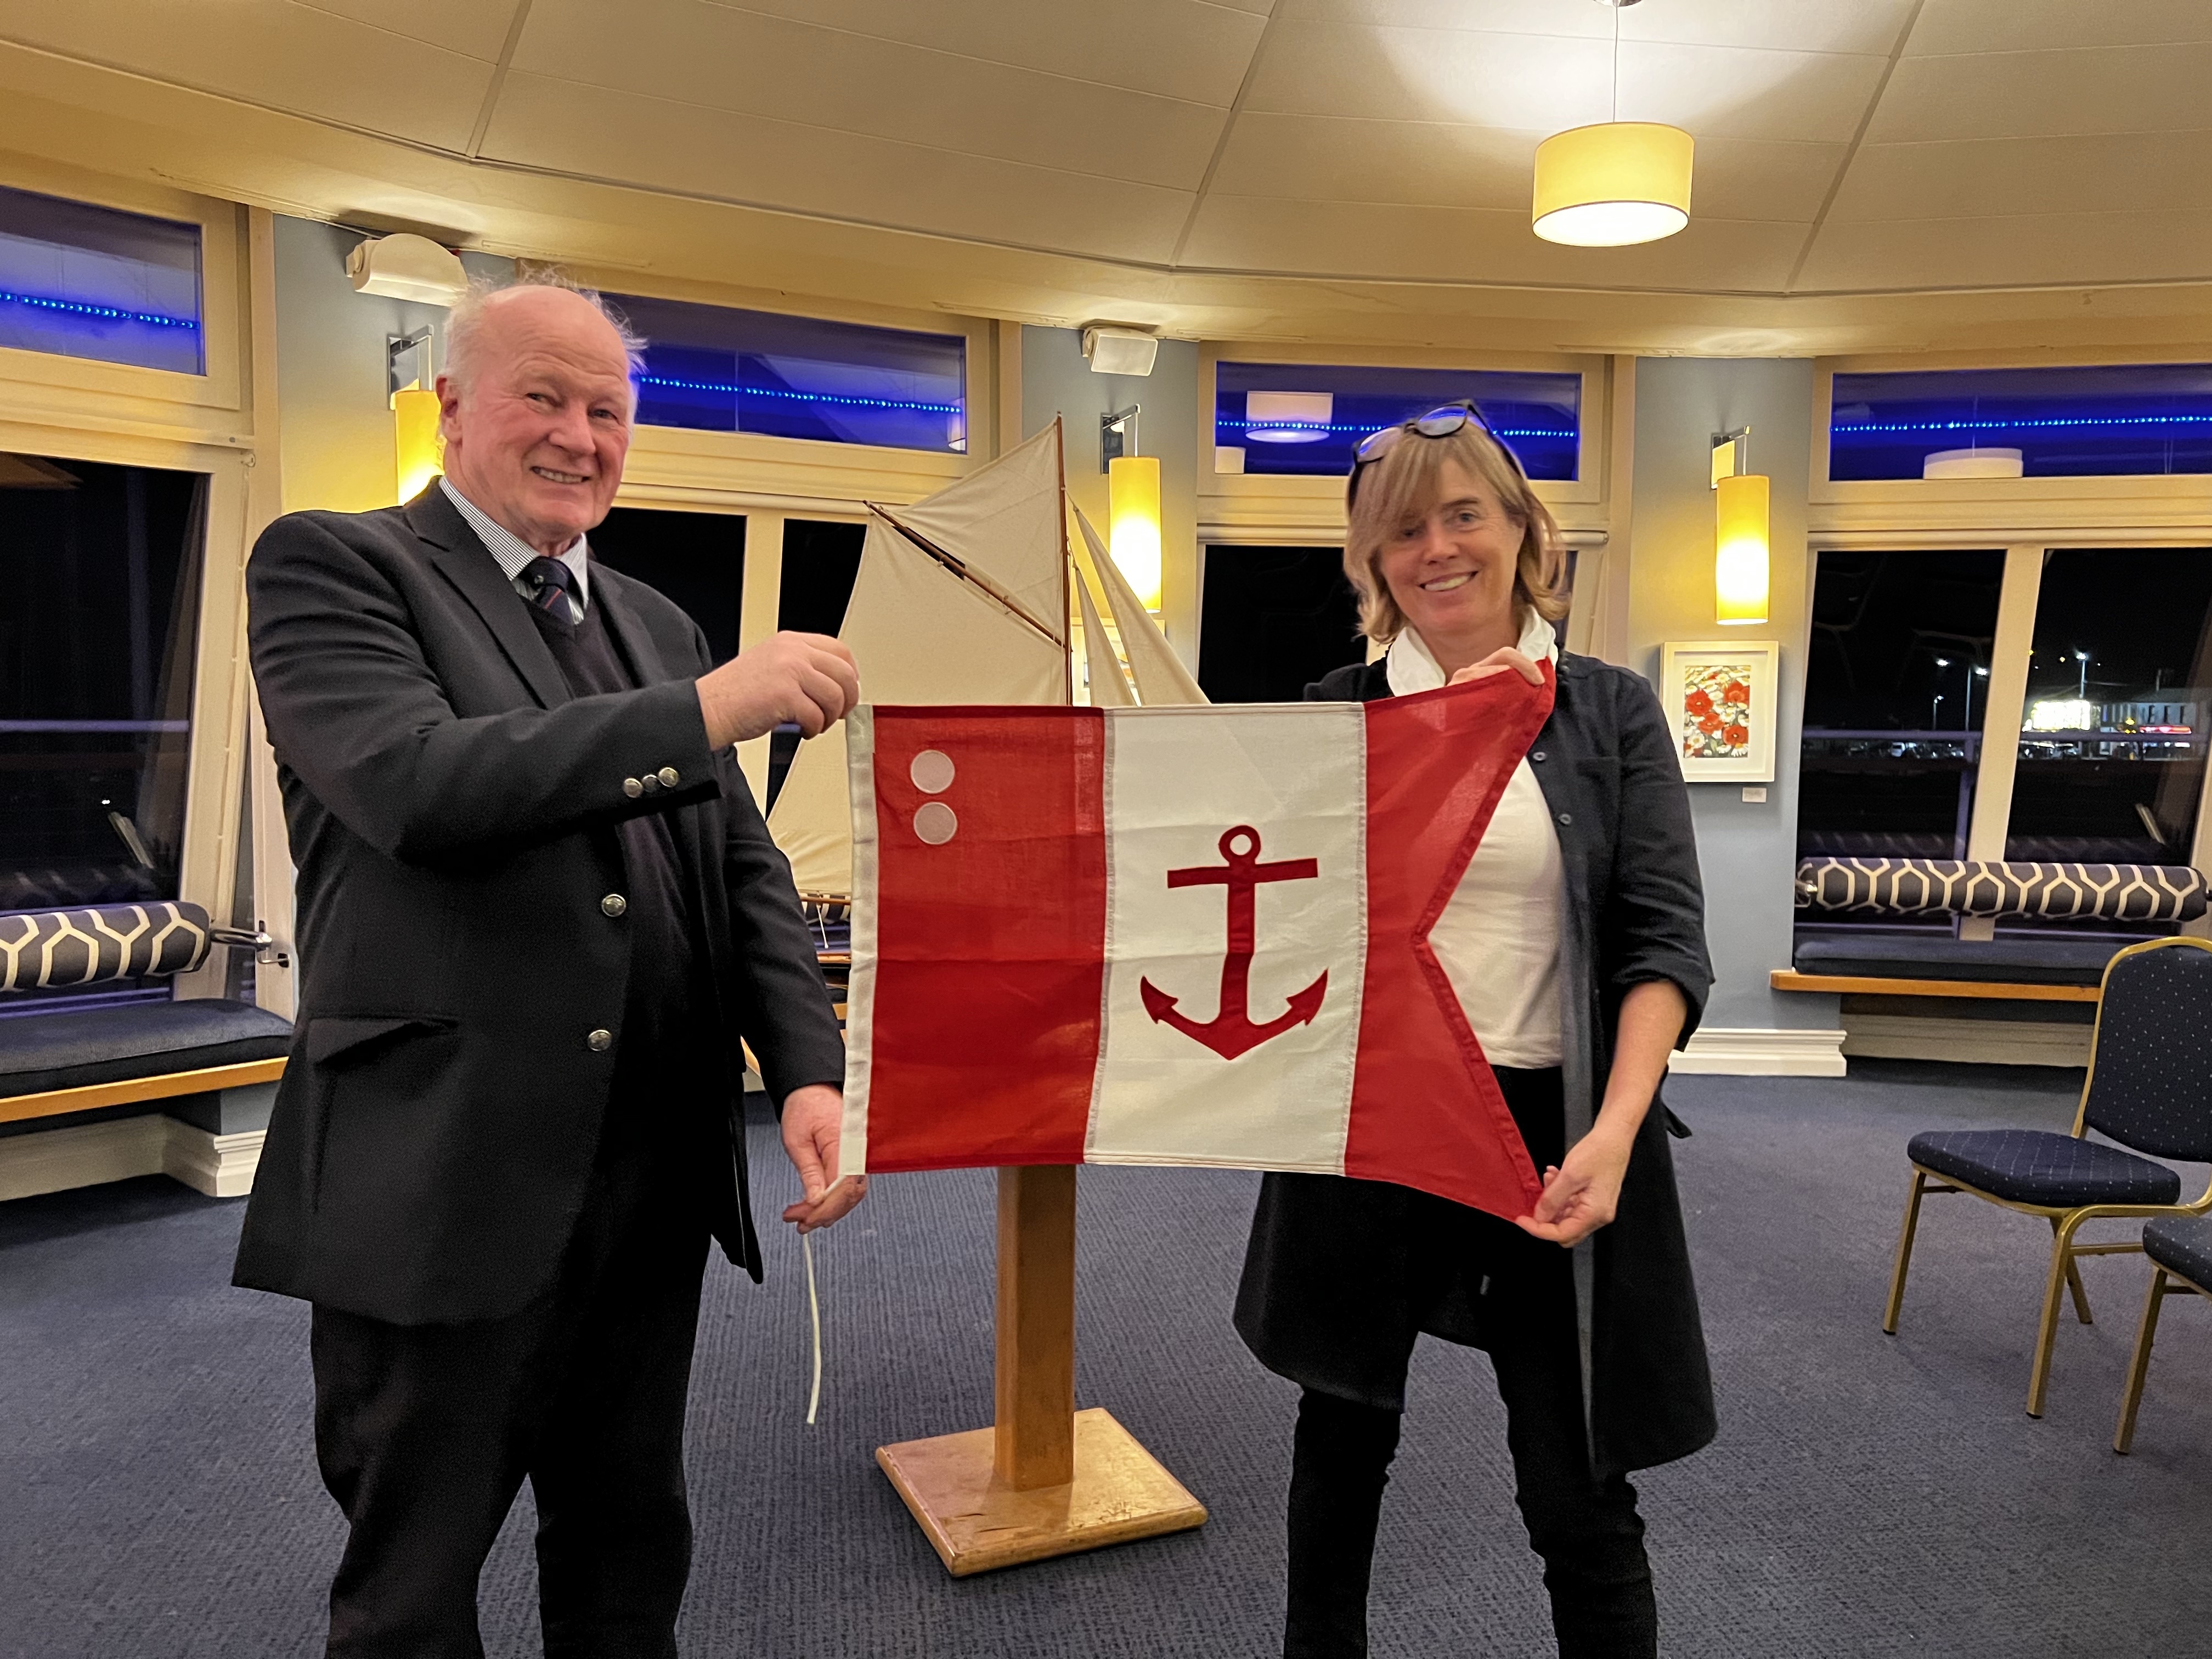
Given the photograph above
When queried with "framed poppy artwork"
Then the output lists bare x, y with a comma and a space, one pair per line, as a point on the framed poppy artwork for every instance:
1720, 700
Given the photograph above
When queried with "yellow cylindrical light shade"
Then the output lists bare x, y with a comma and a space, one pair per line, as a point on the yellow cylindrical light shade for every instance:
1740, 556
1133, 484
419, 450
1613, 184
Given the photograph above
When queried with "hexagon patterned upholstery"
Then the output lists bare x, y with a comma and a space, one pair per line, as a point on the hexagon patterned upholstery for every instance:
2047, 892
47, 949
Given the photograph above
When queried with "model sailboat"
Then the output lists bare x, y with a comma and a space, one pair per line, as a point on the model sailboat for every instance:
965, 597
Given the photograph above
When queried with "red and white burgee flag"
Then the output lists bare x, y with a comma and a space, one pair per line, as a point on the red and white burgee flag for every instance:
1177, 936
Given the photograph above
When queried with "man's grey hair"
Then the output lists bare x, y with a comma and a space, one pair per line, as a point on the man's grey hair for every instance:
465, 321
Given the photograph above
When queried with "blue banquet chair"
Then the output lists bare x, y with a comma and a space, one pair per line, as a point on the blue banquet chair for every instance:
2148, 1089
2180, 1251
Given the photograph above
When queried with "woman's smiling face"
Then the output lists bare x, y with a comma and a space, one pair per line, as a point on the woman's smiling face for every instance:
1451, 570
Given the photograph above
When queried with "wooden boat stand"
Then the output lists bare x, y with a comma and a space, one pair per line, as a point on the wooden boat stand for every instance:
1044, 1480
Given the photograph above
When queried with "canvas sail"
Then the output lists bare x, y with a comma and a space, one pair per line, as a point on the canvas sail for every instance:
1159, 673
1109, 686
921, 632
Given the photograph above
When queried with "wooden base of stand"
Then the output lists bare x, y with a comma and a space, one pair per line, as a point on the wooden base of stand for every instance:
976, 1521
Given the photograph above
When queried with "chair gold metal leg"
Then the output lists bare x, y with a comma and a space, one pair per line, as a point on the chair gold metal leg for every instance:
2074, 1282
2139, 1364
2046, 1332
1905, 1251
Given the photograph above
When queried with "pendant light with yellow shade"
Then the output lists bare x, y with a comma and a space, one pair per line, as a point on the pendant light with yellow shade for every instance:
1614, 183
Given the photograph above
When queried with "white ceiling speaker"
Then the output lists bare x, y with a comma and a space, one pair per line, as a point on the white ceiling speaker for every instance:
1113, 349
1972, 464
1288, 417
407, 267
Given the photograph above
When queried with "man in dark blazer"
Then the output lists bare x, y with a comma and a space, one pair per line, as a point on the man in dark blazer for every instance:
538, 907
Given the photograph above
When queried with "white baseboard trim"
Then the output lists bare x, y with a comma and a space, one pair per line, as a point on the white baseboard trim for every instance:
90, 1154
221, 1166
1757, 1051
1974, 1041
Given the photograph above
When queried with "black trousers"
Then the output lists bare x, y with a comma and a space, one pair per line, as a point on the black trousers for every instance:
425, 1432
1513, 1296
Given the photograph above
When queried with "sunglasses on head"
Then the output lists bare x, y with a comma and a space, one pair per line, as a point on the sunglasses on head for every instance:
1439, 422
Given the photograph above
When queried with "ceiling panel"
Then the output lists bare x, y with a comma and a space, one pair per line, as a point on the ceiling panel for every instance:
1743, 93
475, 28
1446, 244
1437, 164
2021, 93
1988, 25
2147, 172
1188, 49
273, 52
1545, 83
712, 56
2057, 248
601, 133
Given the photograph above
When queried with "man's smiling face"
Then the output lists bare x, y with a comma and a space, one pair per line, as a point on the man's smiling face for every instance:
537, 434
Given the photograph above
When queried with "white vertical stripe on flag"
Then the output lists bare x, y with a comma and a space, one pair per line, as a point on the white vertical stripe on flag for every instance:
860, 990
1176, 781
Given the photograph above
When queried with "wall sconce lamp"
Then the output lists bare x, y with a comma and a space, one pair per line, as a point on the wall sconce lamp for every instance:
418, 450
1133, 486
1740, 532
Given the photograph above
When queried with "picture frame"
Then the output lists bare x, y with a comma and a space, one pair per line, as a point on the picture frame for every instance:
1720, 736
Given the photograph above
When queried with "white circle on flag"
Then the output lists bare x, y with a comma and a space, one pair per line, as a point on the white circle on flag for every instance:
931, 772
935, 822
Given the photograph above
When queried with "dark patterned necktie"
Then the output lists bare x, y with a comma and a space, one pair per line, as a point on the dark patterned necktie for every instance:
549, 581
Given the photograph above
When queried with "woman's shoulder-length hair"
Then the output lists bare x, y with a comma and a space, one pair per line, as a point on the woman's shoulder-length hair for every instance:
1407, 483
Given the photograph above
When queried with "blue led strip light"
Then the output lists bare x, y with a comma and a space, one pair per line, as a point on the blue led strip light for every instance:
1319, 426
106, 314
2025, 423
727, 387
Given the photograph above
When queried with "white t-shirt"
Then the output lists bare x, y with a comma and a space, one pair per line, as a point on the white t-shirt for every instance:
1499, 937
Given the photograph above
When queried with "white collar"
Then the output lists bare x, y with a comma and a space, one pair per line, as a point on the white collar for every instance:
1411, 668
512, 554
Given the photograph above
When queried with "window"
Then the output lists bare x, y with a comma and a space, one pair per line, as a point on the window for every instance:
821, 563
696, 559
100, 565
2117, 420
1304, 420
1274, 620
1896, 692
80, 281
716, 370
2111, 749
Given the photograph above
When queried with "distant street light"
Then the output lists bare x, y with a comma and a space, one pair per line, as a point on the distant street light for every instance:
2082, 657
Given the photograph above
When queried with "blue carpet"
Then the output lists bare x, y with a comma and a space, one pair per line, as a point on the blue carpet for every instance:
1866, 1496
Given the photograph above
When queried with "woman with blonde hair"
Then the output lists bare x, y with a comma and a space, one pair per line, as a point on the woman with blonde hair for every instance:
1575, 943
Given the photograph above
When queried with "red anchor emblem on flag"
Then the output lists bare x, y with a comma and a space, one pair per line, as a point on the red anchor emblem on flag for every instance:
1233, 1031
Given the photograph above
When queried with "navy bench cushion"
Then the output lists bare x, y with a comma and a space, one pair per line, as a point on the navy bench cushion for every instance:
2182, 1244
43, 1051
2036, 1166
1998, 961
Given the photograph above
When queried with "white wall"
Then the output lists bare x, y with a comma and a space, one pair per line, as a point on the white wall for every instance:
1749, 851
1056, 380
333, 414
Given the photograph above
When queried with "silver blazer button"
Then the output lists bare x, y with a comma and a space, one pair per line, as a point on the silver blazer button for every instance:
599, 1042
671, 776
614, 904
632, 787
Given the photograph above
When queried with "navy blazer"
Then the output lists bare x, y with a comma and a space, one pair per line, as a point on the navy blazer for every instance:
1324, 1299
462, 982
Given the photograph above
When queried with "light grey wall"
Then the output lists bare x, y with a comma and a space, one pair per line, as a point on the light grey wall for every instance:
1056, 380
1747, 850
334, 419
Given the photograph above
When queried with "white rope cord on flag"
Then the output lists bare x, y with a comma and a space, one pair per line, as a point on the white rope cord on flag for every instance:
814, 1312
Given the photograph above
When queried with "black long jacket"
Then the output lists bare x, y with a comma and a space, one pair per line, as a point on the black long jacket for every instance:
1325, 1298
